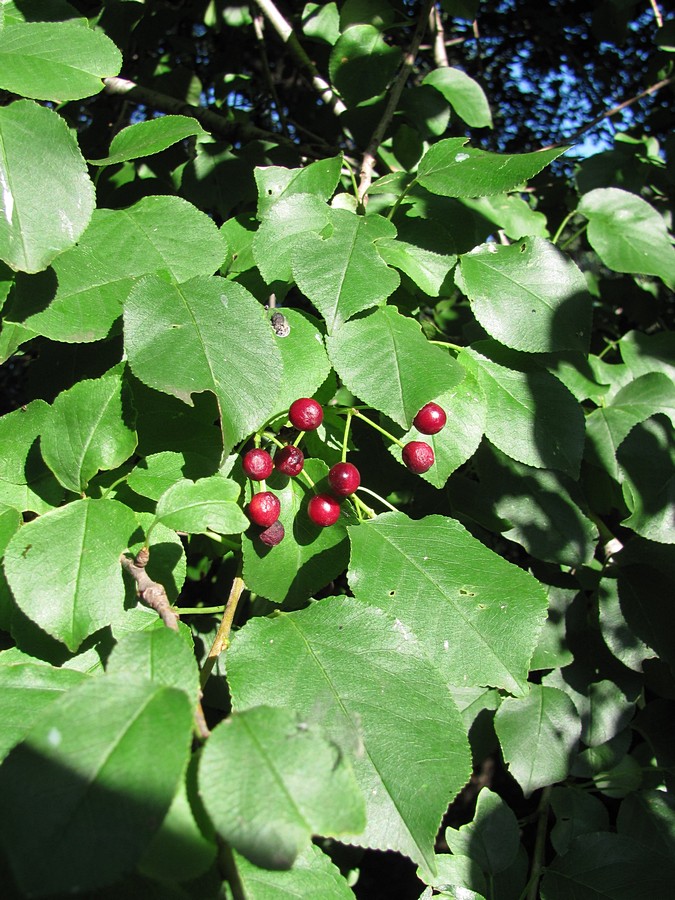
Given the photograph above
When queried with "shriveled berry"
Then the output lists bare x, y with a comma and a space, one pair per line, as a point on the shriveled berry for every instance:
344, 478
264, 509
323, 510
257, 464
418, 456
430, 419
305, 414
289, 460
273, 535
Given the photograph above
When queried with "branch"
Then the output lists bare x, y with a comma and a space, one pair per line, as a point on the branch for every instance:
285, 31
212, 121
438, 38
368, 162
150, 592
612, 112
222, 639
539, 844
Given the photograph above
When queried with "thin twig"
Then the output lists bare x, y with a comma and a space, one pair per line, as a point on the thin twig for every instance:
285, 31
368, 161
222, 639
213, 122
151, 592
657, 13
438, 37
258, 26
539, 844
612, 112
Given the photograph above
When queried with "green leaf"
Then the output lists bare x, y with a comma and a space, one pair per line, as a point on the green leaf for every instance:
349, 665
161, 655
209, 504
464, 94
531, 416
628, 234
298, 785
456, 874
313, 875
303, 358
180, 851
157, 472
458, 441
47, 197
492, 839
27, 690
647, 462
510, 213
341, 272
385, 341
616, 609
362, 63
541, 508
167, 564
321, 21
553, 650
537, 734
644, 353
477, 616
602, 706
82, 297
56, 60
308, 557
276, 183
648, 817
79, 546
18, 431
105, 760
607, 426
146, 138
607, 866
87, 432
217, 338
427, 269
451, 169
528, 296
577, 812
287, 225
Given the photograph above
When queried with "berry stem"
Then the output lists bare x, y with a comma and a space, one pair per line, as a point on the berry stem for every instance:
361, 507
345, 439
377, 427
296, 442
377, 497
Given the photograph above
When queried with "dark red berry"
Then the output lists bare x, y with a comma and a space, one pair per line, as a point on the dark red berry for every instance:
418, 457
323, 510
264, 509
257, 464
289, 460
273, 535
344, 478
430, 419
305, 414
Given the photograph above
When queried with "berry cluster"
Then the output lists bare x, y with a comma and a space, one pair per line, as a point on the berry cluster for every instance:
344, 478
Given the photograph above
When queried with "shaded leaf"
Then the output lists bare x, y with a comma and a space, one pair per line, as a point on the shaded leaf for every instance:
576, 812
492, 839
647, 461
104, 788
362, 63
303, 358
538, 734
313, 875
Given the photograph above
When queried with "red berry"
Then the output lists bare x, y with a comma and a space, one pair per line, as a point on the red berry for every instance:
323, 510
344, 478
305, 414
257, 464
264, 508
289, 460
430, 419
418, 456
273, 535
